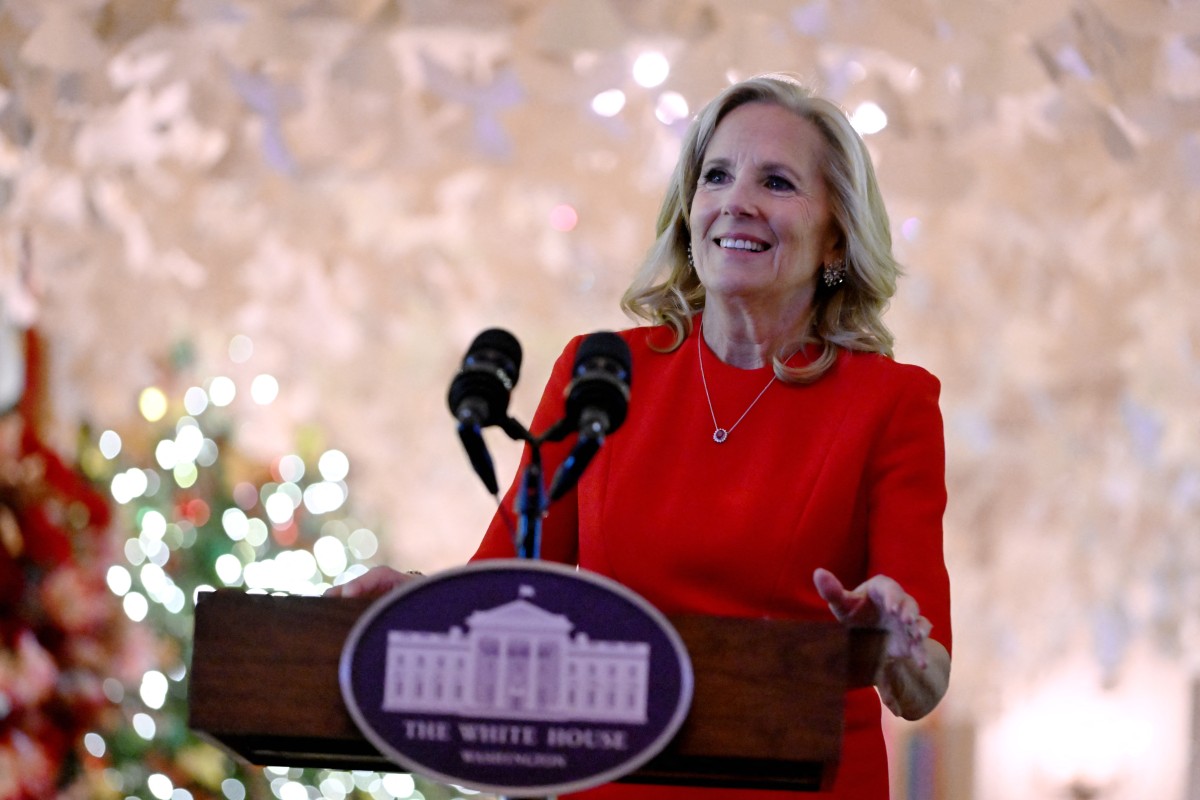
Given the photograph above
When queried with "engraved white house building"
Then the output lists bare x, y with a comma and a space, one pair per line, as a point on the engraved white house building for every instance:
517, 660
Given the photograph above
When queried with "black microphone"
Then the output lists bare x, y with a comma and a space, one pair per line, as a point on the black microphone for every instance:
597, 401
479, 395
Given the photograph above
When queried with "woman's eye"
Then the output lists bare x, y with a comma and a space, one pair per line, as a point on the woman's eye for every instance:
714, 176
779, 184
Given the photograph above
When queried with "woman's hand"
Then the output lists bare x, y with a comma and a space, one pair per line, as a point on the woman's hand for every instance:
915, 672
878, 603
375, 582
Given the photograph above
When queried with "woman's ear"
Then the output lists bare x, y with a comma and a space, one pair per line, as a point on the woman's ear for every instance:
836, 251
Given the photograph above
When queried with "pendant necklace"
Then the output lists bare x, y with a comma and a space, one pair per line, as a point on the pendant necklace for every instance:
721, 434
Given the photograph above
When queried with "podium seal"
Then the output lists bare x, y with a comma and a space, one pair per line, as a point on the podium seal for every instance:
516, 677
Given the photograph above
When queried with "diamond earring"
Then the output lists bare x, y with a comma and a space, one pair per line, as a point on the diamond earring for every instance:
834, 274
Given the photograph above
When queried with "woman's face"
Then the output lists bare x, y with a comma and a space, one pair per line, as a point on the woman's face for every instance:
761, 224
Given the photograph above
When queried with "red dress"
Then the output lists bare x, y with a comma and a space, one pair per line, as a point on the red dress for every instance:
847, 473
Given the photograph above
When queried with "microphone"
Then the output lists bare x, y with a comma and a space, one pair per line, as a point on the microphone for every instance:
479, 395
597, 401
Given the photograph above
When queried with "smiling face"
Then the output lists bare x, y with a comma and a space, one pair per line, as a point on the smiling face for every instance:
760, 222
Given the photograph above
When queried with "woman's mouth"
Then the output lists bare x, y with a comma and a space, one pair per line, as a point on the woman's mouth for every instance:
732, 243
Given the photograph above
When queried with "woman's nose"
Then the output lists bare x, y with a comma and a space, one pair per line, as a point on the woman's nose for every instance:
739, 200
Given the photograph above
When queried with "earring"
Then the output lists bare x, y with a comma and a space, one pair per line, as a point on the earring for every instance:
834, 274
691, 263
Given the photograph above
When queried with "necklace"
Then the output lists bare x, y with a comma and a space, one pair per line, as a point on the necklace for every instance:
721, 434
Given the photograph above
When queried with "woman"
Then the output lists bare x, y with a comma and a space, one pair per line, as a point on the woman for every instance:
773, 454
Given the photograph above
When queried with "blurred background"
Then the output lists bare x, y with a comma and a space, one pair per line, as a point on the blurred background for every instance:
244, 245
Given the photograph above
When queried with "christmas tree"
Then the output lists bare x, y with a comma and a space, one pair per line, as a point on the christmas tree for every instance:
64, 643
100, 567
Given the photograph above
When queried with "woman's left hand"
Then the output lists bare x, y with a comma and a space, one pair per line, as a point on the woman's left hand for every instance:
879, 602
915, 671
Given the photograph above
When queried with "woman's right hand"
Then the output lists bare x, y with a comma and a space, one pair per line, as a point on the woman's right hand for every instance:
375, 582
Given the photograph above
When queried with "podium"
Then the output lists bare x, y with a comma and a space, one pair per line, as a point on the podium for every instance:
766, 710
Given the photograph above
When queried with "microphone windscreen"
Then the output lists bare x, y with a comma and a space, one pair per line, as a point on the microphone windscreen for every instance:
483, 384
502, 342
601, 379
605, 344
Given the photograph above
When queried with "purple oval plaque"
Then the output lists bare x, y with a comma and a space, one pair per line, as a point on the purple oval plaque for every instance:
516, 677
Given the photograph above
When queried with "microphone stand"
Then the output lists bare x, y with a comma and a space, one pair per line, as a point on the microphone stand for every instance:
531, 505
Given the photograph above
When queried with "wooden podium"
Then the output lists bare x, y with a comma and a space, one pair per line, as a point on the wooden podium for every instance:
766, 710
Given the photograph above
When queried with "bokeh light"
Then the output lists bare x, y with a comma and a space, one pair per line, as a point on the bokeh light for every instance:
256, 532
650, 69
609, 103
195, 401
153, 690
110, 444
235, 523
910, 229
671, 108
118, 579
291, 468
135, 606
333, 465
127, 485
363, 544
331, 555
185, 474
241, 348
264, 389
164, 454
245, 495
152, 404
324, 497
159, 785
563, 217
279, 508
221, 391
868, 118
94, 744
188, 440
229, 569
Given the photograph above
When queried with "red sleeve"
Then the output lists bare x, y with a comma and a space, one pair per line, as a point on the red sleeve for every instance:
908, 499
560, 526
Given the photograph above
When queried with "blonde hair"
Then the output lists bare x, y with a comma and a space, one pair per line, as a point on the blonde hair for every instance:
667, 290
